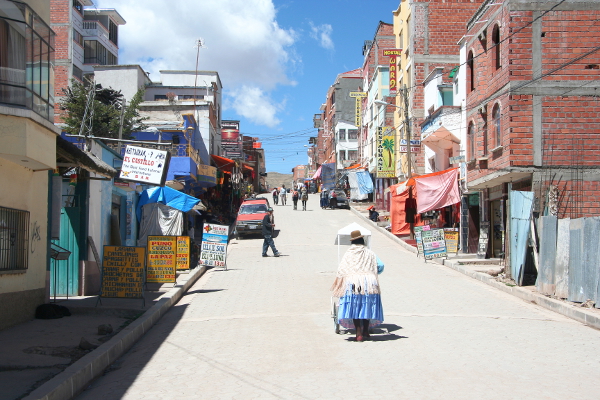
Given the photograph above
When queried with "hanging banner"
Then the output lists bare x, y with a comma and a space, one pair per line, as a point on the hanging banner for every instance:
434, 245
214, 245
393, 63
183, 252
145, 165
358, 107
451, 237
123, 272
386, 149
162, 252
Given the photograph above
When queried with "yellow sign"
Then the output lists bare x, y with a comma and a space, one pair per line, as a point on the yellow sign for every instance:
183, 252
162, 252
123, 272
451, 237
358, 94
385, 152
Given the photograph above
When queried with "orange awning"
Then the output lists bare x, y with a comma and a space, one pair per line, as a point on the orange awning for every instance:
223, 163
247, 167
354, 166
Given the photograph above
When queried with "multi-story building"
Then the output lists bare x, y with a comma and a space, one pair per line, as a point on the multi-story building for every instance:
86, 36
427, 32
375, 120
28, 156
532, 107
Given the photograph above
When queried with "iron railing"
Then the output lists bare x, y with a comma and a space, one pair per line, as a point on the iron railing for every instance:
14, 239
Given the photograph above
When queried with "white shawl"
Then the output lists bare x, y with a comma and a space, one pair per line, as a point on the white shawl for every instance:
357, 272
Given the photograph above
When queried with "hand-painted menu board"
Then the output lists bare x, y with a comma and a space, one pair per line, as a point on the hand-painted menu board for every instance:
214, 245
162, 253
451, 236
434, 245
183, 252
123, 272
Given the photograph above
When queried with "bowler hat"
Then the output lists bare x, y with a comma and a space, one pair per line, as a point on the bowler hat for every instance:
355, 235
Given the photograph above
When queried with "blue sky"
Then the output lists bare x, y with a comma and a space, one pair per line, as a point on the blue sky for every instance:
276, 58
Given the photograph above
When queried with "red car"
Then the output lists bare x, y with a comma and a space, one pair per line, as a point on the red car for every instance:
250, 217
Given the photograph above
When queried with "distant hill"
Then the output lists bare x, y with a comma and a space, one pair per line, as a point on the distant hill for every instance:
275, 179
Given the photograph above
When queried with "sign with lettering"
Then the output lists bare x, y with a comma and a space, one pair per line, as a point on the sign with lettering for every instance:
213, 251
413, 142
123, 272
451, 236
434, 245
413, 149
145, 165
418, 238
393, 64
162, 252
456, 160
183, 252
385, 152
484, 237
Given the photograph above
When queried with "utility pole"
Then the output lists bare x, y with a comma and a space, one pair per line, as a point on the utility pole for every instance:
121, 125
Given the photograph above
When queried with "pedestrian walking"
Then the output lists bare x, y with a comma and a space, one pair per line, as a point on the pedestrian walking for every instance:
357, 286
295, 196
268, 227
304, 198
324, 198
283, 195
275, 193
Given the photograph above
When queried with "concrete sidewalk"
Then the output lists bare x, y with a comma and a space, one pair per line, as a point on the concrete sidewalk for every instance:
42, 359
476, 269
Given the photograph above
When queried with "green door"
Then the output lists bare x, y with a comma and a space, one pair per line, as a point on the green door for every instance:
64, 274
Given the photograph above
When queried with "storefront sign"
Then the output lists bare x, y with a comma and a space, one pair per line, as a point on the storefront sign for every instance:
456, 160
412, 149
418, 237
393, 83
358, 107
145, 165
484, 237
214, 245
434, 245
183, 252
162, 251
413, 142
385, 152
451, 236
207, 174
123, 272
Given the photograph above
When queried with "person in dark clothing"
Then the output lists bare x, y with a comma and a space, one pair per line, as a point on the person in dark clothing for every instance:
295, 197
268, 225
333, 200
373, 215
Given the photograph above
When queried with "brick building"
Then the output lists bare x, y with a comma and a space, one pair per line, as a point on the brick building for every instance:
85, 37
428, 33
532, 106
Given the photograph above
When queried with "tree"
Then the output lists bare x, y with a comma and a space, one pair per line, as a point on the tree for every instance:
388, 145
107, 105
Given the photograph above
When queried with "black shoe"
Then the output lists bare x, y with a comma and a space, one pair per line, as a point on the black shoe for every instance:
277, 254
264, 255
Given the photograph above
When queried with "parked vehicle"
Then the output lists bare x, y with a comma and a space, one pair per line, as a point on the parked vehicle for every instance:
342, 199
250, 216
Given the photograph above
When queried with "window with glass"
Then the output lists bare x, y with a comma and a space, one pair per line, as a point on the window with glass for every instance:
77, 37
14, 239
95, 53
78, 6
77, 73
496, 122
26, 59
496, 47
352, 155
352, 134
113, 33
470, 73
342, 135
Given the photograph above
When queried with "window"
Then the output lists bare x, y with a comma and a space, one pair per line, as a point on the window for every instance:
77, 73
191, 97
352, 134
26, 60
352, 155
95, 53
471, 142
14, 235
496, 47
160, 97
496, 122
77, 5
113, 33
470, 73
485, 131
112, 59
77, 37
341, 135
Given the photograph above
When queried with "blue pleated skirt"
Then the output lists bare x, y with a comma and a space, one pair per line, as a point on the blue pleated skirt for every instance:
360, 306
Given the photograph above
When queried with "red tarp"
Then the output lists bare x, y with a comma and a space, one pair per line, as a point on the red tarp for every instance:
437, 190
397, 212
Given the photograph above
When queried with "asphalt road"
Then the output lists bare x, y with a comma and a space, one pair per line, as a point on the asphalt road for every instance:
262, 330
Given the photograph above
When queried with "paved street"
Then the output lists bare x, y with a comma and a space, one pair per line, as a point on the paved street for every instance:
262, 330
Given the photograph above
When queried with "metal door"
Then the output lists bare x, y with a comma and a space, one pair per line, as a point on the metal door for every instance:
521, 204
64, 274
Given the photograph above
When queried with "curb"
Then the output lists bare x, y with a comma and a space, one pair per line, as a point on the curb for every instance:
78, 375
568, 310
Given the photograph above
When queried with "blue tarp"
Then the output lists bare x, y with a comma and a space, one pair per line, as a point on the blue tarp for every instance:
167, 196
365, 183
328, 175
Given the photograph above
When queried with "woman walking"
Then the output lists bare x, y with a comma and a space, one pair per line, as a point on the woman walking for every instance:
283, 195
324, 198
275, 195
357, 286
295, 196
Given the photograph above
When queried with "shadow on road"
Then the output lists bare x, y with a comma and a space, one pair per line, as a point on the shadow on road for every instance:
203, 291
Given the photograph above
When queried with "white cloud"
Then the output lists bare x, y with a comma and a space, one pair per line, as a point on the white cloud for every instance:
252, 103
244, 44
322, 34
